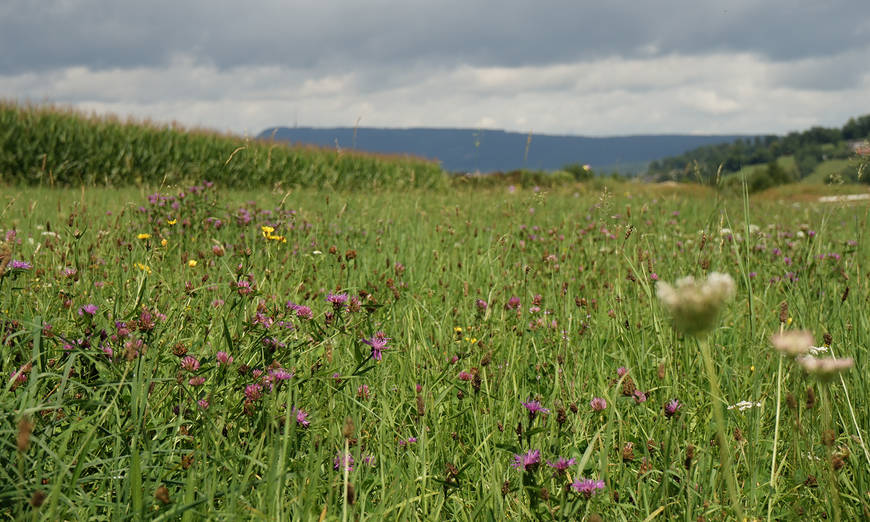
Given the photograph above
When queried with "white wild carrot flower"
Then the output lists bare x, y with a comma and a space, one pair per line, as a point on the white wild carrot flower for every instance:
825, 369
793, 342
695, 305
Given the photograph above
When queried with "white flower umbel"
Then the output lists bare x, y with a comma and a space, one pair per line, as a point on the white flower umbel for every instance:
824, 369
793, 342
696, 305
744, 405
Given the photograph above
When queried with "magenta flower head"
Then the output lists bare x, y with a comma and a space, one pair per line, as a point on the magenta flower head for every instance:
672, 407
587, 487
15, 264
622, 371
337, 300
598, 404
89, 309
561, 464
513, 303
481, 305
378, 342
534, 408
529, 461
639, 396
224, 358
190, 363
343, 460
301, 417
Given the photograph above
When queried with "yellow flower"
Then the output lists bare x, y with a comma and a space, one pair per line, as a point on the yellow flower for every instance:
172, 221
163, 242
267, 230
144, 236
457, 328
191, 263
143, 268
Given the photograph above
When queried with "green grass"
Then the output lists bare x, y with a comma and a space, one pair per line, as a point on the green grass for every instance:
113, 437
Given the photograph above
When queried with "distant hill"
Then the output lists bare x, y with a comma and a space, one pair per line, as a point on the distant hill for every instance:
469, 150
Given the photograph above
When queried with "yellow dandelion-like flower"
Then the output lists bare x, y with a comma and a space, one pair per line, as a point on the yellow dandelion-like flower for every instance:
172, 221
457, 329
144, 268
144, 236
163, 242
191, 263
267, 230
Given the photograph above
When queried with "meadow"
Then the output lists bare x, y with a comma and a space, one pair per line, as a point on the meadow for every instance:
198, 352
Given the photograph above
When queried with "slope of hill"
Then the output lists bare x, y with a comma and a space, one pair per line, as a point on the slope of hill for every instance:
56, 145
469, 150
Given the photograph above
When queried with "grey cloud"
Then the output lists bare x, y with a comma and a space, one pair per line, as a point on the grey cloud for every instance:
356, 35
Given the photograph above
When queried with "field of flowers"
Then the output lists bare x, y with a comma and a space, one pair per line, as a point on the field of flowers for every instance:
198, 352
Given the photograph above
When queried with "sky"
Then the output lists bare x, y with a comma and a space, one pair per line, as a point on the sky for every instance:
595, 68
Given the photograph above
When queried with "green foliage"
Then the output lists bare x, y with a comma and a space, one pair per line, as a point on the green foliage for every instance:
50, 146
580, 172
809, 148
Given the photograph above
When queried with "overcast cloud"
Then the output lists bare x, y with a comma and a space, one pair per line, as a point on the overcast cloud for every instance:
578, 67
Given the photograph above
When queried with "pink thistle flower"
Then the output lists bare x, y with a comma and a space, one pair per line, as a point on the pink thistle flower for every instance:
528, 461
587, 487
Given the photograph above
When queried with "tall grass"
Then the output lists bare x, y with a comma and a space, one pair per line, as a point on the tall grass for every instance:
56, 146
490, 299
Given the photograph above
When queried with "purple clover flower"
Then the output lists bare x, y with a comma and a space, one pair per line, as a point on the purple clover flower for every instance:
598, 404
15, 264
301, 417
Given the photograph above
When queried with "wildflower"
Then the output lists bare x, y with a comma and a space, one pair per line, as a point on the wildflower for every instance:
561, 464
224, 358
793, 343
203, 404
363, 392
587, 487
253, 391
825, 369
378, 342
280, 374
465, 376
89, 309
481, 305
337, 300
529, 461
639, 396
534, 408
190, 364
191, 263
343, 460
143, 267
513, 303
144, 236
672, 407
744, 405
15, 264
196, 381
598, 404
693, 305
622, 371
405, 442
301, 417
